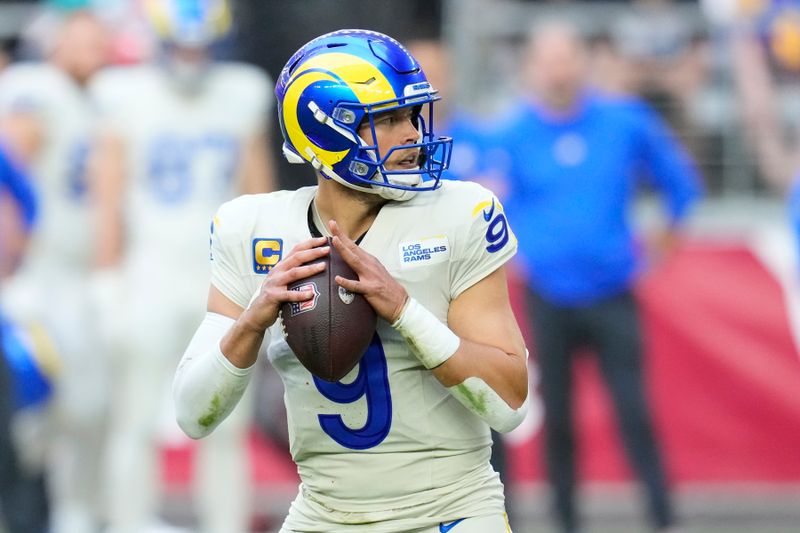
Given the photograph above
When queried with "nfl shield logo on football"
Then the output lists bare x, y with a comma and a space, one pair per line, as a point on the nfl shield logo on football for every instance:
308, 305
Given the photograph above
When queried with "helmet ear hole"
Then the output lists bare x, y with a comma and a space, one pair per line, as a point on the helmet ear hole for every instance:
294, 64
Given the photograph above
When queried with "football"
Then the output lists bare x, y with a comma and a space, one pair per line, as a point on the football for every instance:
331, 332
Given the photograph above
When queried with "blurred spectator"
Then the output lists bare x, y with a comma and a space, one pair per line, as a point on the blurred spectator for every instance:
609, 70
664, 50
575, 156
45, 121
774, 140
179, 136
774, 136
666, 56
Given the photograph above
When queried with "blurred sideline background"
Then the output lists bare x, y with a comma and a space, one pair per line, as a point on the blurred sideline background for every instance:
722, 315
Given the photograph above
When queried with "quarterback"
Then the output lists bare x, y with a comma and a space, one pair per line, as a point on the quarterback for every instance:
402, 443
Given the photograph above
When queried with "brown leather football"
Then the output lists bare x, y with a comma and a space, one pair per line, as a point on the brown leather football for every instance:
331, 332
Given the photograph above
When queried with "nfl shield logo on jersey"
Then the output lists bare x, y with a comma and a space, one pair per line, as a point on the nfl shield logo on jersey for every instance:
308, 305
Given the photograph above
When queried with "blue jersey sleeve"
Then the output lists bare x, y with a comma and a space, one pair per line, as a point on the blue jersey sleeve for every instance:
667, 164
17, 183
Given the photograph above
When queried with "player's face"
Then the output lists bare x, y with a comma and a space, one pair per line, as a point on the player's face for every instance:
187, 66
83, 46
557, 63
394, 128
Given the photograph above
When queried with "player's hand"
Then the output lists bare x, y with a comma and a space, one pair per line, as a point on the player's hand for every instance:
298, 264
381, 290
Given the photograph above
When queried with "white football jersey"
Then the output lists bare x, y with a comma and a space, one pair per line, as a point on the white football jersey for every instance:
183, 151
62, 239
388, 443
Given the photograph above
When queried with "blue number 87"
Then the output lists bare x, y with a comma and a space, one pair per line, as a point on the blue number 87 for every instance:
372, 383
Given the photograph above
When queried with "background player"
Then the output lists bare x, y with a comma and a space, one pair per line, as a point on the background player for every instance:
179, 136
404, 447
46, 121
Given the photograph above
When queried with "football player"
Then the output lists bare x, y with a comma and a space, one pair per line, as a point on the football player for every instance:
402, 443
179, 136
46, 121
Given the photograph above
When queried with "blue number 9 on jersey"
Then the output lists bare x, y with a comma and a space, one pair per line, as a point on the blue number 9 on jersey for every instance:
372, 383
497, 232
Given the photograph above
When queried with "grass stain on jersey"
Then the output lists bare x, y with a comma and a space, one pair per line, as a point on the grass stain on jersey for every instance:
478, 401
212, 414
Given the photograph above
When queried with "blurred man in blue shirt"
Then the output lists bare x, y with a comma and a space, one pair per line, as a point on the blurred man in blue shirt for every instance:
574, 158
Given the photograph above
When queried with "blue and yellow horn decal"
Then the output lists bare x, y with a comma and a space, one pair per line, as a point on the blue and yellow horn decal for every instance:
355, 78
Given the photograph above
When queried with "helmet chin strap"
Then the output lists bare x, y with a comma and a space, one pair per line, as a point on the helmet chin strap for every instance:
390, 193
398, 195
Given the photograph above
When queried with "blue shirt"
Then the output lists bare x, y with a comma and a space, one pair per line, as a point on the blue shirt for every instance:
571, 183
469, 142
16, 183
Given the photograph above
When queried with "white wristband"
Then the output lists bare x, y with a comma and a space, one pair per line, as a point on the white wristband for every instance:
431, 341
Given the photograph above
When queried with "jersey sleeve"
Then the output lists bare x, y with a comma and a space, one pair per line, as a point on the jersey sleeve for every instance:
484, 241
228, 258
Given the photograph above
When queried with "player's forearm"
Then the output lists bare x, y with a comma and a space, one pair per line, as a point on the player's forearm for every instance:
207, 385
242, 342
22, 133
107, 181
108, 249
505, 373
464, 367
757, 92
